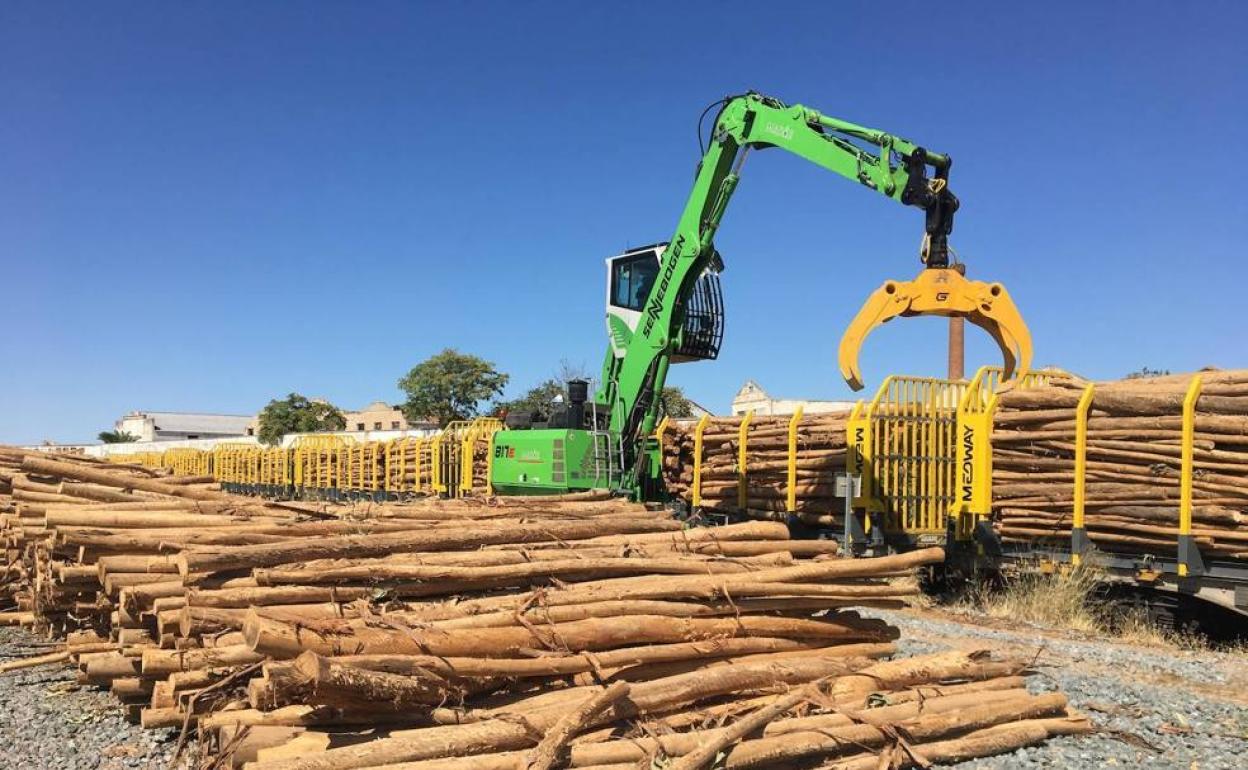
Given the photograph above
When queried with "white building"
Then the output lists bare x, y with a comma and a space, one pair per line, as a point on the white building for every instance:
753, 397
178, 426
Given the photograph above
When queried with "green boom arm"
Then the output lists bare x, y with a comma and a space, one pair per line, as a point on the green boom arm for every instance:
896, 168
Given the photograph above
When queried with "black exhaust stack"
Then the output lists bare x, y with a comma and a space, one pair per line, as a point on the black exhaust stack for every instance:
578, 394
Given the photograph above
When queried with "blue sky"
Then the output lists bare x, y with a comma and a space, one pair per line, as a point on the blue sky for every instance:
206, 205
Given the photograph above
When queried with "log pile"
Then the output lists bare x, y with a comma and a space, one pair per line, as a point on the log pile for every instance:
409, 464
818, 456
63, 516
609, 640
1134, 464
534, 632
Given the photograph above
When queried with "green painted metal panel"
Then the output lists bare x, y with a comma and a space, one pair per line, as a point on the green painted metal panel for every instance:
549, 462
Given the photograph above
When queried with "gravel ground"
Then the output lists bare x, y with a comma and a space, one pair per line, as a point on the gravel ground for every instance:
1157, 708
48, 721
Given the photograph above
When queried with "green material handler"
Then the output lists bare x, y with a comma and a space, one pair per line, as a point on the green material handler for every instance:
665, 306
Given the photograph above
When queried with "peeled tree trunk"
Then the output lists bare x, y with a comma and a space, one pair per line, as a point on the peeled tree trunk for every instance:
1134, 464
543, 666
348, 546
286, 639
516, 733
328, 682
92, 475
779, 581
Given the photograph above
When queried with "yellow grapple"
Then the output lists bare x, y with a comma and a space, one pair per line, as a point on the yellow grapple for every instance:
941, 292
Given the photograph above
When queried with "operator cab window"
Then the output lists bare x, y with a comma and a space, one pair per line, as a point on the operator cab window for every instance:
632, 278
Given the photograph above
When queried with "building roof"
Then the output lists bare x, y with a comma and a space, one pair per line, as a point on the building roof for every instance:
376, 406
192, 422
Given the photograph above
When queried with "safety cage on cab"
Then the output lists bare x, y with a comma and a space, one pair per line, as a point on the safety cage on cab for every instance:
633, 274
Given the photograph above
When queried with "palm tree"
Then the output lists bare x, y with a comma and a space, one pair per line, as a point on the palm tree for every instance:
116, 437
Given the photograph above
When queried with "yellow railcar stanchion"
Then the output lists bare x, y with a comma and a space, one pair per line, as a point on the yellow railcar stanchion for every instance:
1190, 561
972, 470
299, 460
790, 500
1079, 543
435, 463
660, 436
392, 465
376, 468
743, 483
696, 495
418, 480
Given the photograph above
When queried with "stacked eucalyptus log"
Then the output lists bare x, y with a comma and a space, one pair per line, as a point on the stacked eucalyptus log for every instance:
1134, 462
54, 582
820, 455
582, 631
588, 633
410, 464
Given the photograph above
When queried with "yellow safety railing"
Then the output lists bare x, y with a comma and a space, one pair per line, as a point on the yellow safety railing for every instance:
319, 462
275, 467
187, 462
408, 466
907, 450
145, 459
442, 444
454, 452
394, 456
362, 466
976, 410
331, 464
477, 441
230, 462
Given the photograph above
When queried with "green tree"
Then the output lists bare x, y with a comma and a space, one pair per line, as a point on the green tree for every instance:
116, 437
450, 386
674, 402
537, 399
297, 414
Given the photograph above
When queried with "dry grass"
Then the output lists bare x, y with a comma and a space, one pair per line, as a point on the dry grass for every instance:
1072, 601
1062, 600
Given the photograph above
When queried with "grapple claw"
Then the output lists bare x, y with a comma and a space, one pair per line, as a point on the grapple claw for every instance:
941, 292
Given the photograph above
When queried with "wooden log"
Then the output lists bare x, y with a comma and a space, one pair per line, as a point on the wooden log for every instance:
266, 555
507, 734
550, 750
110, 479
287, 639
325, 681
706, 751
98, 493
715, 587
32, 662
141, 519
466, 578
161, 662
544, 666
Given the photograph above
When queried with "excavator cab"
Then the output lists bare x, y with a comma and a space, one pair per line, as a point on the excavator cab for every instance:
941, 291
630, 278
